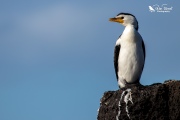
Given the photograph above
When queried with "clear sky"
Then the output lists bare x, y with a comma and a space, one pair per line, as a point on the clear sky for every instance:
57, 55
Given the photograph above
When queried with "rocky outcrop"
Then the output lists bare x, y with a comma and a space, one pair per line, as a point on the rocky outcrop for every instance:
153, 102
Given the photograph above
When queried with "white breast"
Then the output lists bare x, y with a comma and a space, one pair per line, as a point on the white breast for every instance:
131, 57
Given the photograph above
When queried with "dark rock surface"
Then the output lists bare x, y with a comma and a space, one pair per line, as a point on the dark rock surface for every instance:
153, 102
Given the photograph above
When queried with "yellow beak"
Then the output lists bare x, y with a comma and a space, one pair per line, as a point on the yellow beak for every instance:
119, 20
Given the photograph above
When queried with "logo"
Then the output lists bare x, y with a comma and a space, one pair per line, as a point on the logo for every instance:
164, 8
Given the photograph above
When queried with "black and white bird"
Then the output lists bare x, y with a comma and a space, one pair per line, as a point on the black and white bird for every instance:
129, 52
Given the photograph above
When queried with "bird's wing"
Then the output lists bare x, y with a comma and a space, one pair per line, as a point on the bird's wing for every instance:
116, 56
144, 52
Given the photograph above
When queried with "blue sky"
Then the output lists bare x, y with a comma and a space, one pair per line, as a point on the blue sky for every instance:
57, 56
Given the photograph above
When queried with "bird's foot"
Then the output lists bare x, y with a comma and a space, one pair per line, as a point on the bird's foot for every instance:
131, 85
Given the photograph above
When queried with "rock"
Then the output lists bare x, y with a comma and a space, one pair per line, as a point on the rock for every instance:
153, 102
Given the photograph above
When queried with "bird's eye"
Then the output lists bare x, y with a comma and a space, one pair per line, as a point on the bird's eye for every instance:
122, 17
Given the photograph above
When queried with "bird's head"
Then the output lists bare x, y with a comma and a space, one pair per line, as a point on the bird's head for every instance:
125, 19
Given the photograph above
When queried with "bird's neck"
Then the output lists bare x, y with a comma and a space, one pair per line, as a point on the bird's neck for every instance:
134, 26
129, 29
129, 33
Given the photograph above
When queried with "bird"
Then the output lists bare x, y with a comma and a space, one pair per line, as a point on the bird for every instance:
151, 9
129, 51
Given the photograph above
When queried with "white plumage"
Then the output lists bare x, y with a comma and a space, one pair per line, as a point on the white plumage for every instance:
129, 54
